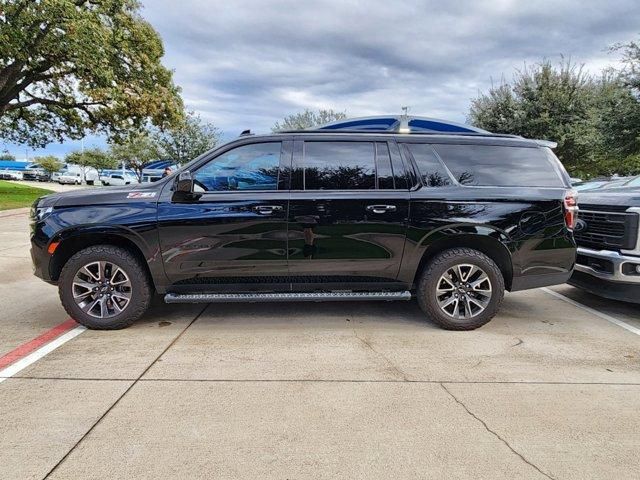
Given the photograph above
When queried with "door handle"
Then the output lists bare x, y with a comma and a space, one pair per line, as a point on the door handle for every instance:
267, 209
381, 208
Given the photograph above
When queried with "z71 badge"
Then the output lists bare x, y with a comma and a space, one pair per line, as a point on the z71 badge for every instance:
141, 195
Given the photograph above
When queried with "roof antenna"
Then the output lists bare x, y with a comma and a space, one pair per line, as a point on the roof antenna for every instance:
404, 121
246, 132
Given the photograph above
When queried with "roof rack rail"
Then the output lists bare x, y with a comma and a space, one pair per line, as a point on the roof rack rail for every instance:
387, 132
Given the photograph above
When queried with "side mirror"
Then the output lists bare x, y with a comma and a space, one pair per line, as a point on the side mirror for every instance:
184, 184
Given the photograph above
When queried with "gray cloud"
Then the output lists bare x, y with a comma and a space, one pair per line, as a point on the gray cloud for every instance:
246, 64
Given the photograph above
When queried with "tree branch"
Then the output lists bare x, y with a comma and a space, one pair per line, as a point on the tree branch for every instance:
46, 101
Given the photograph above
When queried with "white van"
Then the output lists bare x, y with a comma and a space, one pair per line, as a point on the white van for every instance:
71, 170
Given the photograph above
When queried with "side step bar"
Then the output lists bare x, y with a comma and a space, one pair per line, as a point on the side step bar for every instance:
283, 297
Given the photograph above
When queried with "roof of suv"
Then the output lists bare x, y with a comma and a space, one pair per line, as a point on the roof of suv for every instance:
460, 138
411, 129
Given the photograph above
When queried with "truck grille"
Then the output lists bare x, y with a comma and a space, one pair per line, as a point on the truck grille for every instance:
606, 230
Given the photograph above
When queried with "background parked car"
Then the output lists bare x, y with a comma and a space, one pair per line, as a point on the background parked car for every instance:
10, 175
67, 178
608, 236
36, 175
118, 178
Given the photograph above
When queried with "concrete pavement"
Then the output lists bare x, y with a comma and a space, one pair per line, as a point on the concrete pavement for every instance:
351, 390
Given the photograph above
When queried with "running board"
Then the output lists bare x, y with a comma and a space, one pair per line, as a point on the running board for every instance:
283, 297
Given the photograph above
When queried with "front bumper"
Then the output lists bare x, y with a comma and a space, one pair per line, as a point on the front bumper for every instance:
608, 265
608, 274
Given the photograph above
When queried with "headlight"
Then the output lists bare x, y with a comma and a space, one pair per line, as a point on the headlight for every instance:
39, 213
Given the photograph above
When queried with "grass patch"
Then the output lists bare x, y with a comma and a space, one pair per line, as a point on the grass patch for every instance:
13, 195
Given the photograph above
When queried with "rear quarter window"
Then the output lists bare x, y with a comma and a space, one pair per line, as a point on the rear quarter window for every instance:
500, 166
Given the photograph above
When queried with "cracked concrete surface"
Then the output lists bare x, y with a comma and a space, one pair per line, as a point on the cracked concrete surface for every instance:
488, 429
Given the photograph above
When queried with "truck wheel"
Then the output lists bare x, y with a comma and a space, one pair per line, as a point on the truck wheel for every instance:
461, 289
104, 288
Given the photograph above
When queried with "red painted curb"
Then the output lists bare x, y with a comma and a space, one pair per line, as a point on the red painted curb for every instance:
26, 348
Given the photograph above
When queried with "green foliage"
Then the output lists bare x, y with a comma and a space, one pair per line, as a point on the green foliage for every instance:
617, 116
68, 66
49, 163
186, 140
594, 119
631, 61
308, 119
6, 156
92, 158
136, 150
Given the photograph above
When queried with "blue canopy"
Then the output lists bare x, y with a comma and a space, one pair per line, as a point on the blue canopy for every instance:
13, 165
401, 124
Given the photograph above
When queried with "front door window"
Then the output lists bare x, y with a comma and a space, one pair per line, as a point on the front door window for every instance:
245, 168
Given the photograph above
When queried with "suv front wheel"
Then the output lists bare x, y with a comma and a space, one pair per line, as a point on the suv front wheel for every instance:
461, 289
104, 287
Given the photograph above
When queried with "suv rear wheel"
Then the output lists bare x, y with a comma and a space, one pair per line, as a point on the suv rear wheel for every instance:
461, 289
104, 287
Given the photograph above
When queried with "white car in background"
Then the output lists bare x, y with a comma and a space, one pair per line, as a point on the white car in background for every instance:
10, 175
117, 178
69, 178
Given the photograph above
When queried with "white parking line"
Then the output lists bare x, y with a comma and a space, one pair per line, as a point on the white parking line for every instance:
33, 357
604, 316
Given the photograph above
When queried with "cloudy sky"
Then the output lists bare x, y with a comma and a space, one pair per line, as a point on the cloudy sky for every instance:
247, 64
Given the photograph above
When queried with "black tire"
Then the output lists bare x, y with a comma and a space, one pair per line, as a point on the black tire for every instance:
141, 290
438, 266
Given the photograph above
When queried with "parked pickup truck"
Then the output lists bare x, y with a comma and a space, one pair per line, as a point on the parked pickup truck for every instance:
117, 178
608, 236
451, 219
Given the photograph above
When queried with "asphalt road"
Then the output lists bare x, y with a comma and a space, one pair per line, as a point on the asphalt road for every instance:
349, 390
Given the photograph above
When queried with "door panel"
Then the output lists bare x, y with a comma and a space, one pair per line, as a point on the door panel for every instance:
230, 237
341, 234
344, 237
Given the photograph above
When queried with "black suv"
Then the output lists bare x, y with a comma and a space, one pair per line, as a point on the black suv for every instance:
452, 219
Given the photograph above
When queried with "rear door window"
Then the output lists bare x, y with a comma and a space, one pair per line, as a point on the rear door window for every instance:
432, 172
337, 166
500, 166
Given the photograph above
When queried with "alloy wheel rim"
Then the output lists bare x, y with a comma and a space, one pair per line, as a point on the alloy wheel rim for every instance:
101, 289
463, 291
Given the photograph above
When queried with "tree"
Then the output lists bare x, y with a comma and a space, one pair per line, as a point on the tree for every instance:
136, 150
631, 61
92, 158
49, 163
187, 140
545, 102
68, 66
6, 156
617, 116
308, 119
